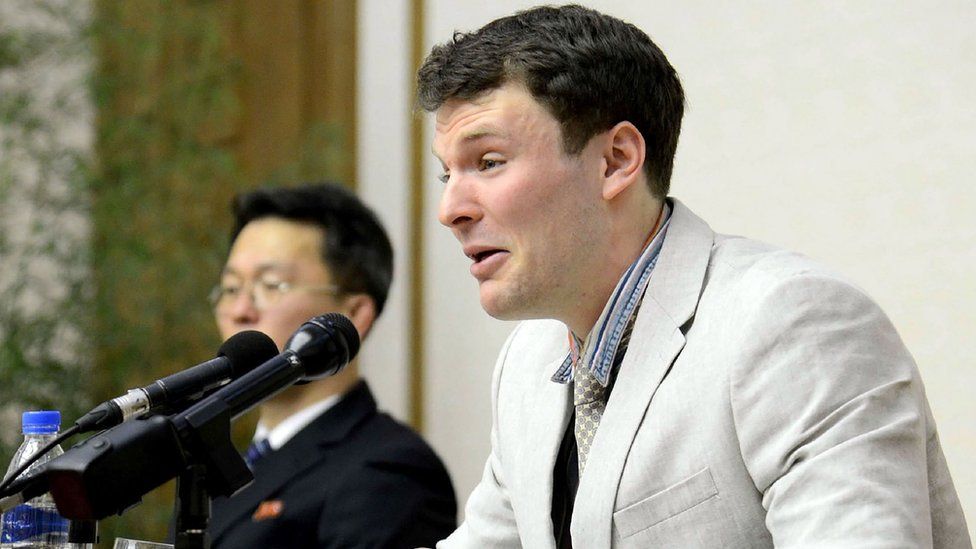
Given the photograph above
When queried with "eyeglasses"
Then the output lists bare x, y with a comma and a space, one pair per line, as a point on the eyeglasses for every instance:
263, 293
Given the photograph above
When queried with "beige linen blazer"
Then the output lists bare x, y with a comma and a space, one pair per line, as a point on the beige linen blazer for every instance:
764, 401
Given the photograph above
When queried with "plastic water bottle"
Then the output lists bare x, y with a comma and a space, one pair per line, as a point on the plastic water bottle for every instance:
35, 523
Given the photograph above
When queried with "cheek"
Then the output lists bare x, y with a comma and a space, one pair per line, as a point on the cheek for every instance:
225, 326
539, 211
529, 203
280, 325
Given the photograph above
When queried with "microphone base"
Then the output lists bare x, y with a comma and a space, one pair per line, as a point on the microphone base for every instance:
110, 472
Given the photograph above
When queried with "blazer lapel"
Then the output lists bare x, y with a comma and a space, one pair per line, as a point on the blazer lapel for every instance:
304, 450
669, 302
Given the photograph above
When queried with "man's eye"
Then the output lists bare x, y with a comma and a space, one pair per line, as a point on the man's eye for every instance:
444, 177
489, 163
274, 285
230, 291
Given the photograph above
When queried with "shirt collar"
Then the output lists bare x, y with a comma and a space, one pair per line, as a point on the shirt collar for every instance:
294, 423
596, 352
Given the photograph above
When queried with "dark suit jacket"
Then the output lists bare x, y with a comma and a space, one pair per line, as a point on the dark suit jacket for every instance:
354, 477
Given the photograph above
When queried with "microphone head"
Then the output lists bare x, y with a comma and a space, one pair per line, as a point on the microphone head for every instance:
324, 344
247, 350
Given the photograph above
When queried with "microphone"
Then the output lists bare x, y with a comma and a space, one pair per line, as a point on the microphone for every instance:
241, 353
321, 347
110, 471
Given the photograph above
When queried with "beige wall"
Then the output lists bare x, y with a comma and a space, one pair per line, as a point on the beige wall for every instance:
842, 130
382, 150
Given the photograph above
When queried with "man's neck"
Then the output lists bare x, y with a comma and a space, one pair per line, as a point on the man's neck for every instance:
298, 397
595, 297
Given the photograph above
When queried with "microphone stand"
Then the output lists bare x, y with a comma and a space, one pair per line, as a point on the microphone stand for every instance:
215, 468
83, 532
192, 508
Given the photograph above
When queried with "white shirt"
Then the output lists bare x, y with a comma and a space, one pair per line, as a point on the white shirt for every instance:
294, 423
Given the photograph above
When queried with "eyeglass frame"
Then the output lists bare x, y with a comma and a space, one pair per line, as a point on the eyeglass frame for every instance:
281, 288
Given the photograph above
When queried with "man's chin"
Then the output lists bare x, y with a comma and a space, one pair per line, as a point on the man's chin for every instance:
502, 307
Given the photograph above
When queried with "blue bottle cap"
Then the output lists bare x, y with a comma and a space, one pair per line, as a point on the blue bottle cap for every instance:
46, 422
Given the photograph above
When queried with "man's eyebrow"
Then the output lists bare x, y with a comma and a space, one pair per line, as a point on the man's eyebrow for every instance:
484, 133
261, 269
473, 136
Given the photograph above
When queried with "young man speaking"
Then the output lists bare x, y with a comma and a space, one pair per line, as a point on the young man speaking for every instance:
670, 386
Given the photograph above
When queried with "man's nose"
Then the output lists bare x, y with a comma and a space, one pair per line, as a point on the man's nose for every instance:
459, 205
243, 309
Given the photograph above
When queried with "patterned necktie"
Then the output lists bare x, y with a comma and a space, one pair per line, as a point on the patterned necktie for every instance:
590, 397
255, 451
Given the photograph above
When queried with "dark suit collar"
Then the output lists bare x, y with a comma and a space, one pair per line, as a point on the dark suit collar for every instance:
338, 421
301, 452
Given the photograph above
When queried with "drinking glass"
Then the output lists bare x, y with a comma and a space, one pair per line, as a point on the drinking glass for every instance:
126, 543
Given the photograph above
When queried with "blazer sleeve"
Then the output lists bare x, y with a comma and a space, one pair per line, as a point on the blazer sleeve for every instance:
489, 520
830, 414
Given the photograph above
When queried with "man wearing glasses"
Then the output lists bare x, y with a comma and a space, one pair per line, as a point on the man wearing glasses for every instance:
329, 469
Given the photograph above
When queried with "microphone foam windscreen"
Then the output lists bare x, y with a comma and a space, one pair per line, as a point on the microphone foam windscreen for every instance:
247, 350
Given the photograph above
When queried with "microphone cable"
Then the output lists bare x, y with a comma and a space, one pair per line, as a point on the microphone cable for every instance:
62, 436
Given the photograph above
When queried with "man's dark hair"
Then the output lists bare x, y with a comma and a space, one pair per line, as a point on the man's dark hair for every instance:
590, 70
356, 249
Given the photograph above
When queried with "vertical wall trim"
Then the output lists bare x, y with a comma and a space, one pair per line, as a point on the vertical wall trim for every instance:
417, 333
351, 17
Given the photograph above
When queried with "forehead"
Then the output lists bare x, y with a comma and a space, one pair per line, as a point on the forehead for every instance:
273, 242
507, 112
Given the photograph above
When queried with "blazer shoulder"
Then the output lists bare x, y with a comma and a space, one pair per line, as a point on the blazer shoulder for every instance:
746, 263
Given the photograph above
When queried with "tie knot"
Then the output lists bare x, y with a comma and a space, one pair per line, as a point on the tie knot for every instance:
586, 387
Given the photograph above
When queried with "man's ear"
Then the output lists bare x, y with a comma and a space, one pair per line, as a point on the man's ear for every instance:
624, 156
361, 310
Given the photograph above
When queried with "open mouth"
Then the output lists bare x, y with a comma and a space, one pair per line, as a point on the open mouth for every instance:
481, 256
485, 261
